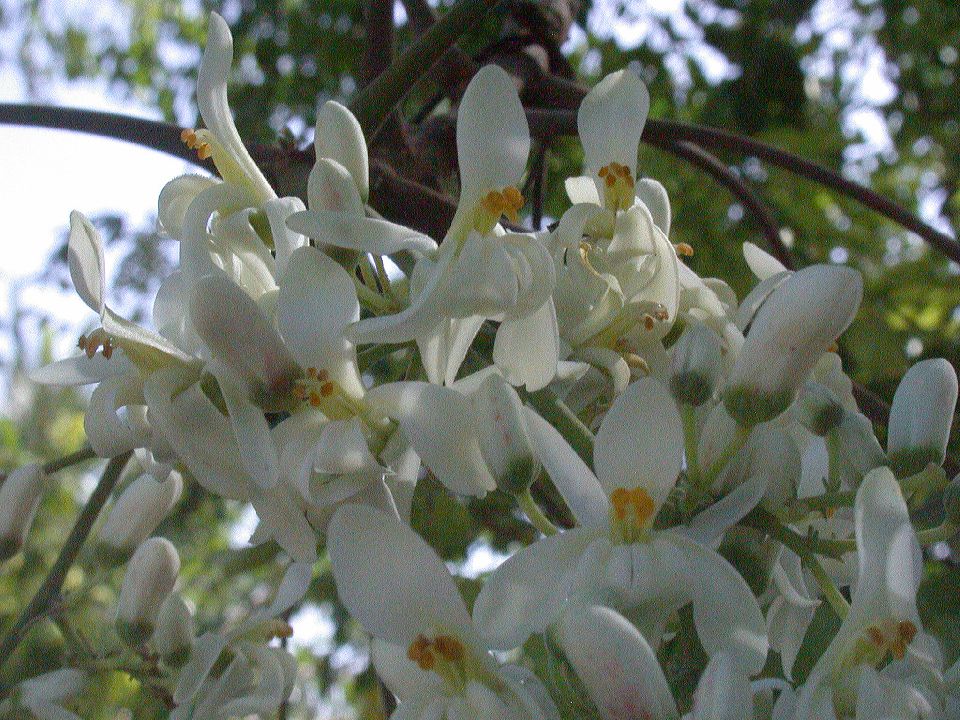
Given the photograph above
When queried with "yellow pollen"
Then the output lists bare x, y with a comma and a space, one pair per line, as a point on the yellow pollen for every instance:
326, 390
619, 186
496, 204
97, 340
449, 647
190, 139
637, 500
684, 249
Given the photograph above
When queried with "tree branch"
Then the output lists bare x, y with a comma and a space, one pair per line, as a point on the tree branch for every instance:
75, 458
549, 123
49, 591
378, 48
376, 101
714, 167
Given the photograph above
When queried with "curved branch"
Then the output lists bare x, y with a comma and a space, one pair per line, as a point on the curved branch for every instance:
696, 155
548, 123
154, 134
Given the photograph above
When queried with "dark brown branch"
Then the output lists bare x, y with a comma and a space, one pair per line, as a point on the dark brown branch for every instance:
550, 123
713, 166
154, 134
49, 592
378, 47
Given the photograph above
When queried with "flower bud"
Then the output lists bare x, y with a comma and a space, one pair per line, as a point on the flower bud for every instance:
819, 409
696, 365
921, 416
137, 513
340, 137
790, 332
173, 638
150, 577
19, 498
505, 443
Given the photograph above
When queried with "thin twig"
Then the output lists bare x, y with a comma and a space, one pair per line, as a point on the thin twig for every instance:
49, 591
75, 458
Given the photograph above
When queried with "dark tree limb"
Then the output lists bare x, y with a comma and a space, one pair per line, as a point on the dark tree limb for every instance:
378, 47
741, 190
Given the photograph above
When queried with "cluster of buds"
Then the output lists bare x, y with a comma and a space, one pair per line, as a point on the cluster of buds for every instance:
694, 438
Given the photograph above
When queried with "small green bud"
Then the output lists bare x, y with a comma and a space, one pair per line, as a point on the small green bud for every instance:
819, 409
696, 365
149, 579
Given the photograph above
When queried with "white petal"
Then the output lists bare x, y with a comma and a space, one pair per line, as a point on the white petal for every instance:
708, 527
250, 427
373, 235
343, 449
85, 258
316, 304
442, 427
238, 332
340, 137
527, 348
295, 583
81, 370
214, 108
175, 198
725, 611
493, 139
206, 650
109, 433
611, 119
582, 189
285, 240
330, 188
280, 511
654, 195
761, 263
390, 579
575, 481
616, 664
640, 441
723, 692
525, 594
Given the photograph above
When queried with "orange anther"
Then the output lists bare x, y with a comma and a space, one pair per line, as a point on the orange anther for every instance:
449, 647
315, 399
327, 389
875, 635
684, 249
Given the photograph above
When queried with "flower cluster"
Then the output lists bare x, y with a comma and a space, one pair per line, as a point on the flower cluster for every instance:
687, 430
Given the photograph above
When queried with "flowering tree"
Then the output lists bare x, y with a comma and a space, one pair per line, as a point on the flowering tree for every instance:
699, 480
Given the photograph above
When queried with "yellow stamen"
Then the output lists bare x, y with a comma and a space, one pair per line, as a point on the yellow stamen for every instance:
96, 340
632, 513
684, 249
494, 205
619, 186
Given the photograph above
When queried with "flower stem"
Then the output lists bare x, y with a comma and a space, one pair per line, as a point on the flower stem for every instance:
535, 514
735, 446
837, 601
689, 414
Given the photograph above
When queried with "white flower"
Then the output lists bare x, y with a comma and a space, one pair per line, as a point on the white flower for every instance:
259, 677
425, 647
792, 329
44, 695
473, 436
921, 416
882, 621
150, 577
617, 556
